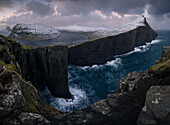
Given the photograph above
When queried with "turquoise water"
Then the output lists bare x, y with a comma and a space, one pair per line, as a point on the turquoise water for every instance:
91, 84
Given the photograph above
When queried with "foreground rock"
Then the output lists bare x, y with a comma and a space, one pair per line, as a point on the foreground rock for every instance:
157, 107
20, 102
114, 42
44, 66
33, 32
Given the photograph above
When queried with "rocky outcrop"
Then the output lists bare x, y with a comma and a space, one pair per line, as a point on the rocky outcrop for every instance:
101, 50
44, 66
157, 107
8, 29
20, 102
33, 32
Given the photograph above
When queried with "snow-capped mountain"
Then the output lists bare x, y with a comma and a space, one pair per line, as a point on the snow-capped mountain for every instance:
34, 31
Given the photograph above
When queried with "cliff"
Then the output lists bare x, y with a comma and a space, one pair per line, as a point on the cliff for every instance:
132, 98
101, 50
43, 66
21, 104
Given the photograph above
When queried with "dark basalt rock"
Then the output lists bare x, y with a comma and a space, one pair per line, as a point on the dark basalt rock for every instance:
20, 102
101, 50
156, 110
44, 66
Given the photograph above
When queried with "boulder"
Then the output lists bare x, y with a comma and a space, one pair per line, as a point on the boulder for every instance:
157, 107
20, 101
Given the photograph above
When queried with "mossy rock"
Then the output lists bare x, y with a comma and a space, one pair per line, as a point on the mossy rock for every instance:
33, 101
26, 47
1, 48
160, 69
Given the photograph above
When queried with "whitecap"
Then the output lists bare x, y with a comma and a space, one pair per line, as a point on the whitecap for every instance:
67, 104
153, 42
114, 63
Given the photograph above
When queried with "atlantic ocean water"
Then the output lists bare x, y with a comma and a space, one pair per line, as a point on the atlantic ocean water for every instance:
91, 84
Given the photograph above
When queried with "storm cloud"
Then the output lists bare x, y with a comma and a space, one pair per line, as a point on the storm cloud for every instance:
159, 7
39, 8
107, 6
109, 13
5, 3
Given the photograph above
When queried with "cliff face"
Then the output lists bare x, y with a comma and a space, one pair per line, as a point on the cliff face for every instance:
45, 66
101, 50
48, 67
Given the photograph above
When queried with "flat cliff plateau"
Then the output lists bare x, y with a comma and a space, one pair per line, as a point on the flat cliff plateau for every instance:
99, 50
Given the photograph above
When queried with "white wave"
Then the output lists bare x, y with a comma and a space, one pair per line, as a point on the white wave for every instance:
64, 104
114, 63
153, 42
139, 49
67, 104
96, 67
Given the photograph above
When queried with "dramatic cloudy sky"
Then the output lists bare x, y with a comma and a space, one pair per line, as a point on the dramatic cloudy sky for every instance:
110, 13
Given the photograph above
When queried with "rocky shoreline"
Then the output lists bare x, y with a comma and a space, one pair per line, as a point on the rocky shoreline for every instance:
21, 104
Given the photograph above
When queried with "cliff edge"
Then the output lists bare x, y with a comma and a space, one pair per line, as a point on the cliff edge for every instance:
108, 43
42, 66
132, 104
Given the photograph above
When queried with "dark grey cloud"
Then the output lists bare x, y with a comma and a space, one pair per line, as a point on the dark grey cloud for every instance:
159, 7
39, 8
5, 3
85, 6
82, 11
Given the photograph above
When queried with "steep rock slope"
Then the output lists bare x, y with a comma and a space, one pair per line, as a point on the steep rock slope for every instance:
114, 42
20, 102
45, 66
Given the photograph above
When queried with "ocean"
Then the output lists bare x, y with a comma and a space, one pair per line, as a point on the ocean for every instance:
90, 84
